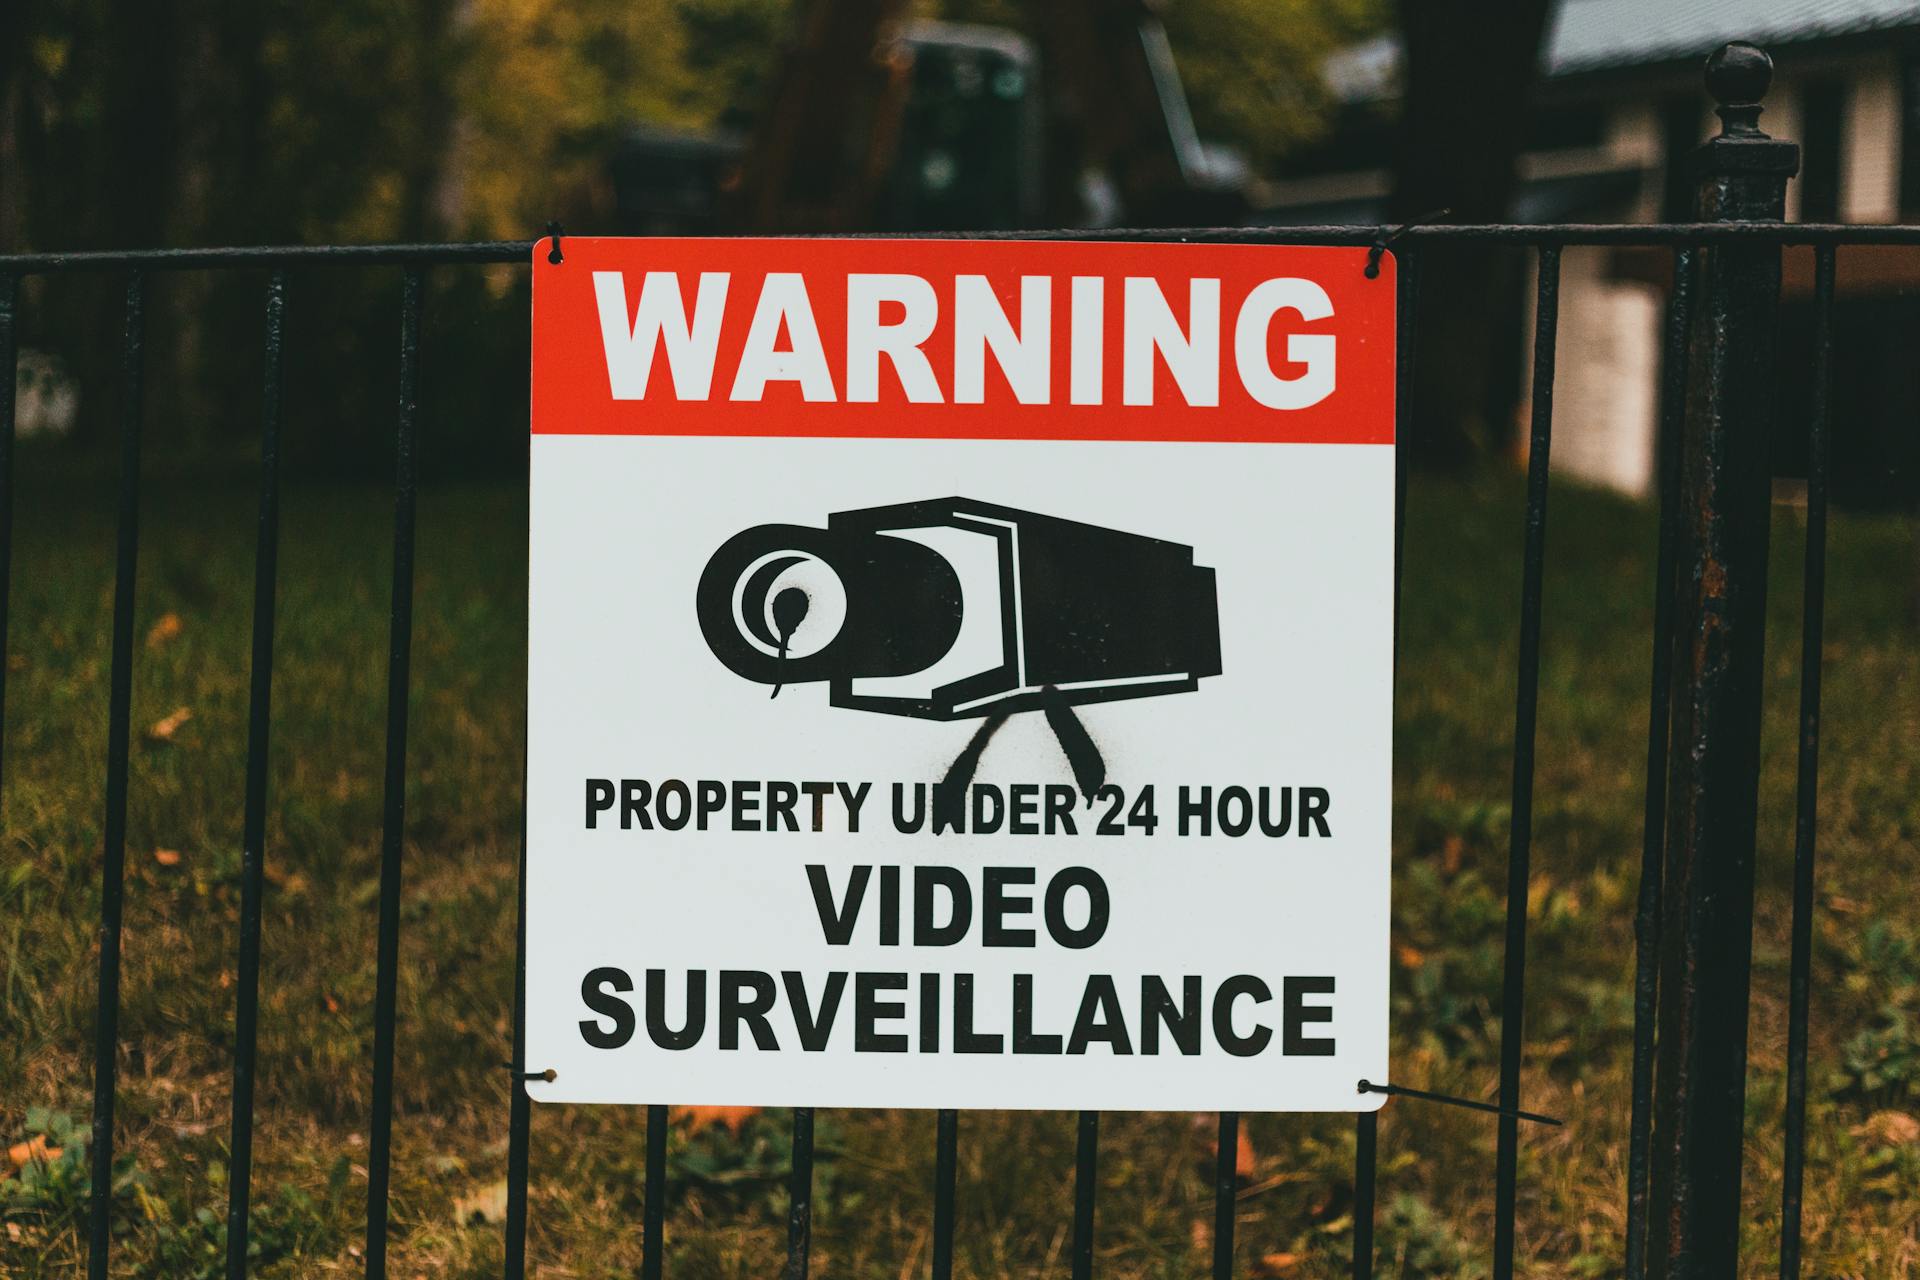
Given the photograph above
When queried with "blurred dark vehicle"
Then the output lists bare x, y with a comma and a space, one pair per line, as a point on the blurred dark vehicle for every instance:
960, 130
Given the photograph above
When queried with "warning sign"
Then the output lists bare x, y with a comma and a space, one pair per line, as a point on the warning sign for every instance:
959, 674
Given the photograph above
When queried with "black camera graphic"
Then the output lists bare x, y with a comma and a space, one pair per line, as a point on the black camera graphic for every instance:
952, 608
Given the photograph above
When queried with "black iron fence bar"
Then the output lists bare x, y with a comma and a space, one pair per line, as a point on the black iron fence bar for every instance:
1366, 1140
1226, 1179
8, 289
1085, 1173
271, 255
946, 1151
1521, 235
114, 853
653, 1212
1646, 922
1526, 709
800, 1196
246, 1012
1813, 617
393, 826
1516, 234
1366, 1146
519, 1105
1406, 339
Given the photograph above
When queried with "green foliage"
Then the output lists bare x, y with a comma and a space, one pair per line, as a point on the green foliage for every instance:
746, 1170
1449, 997
50, 1198
1880, 1062
1417, 1243
1891, 1172
46, 1205
286, 1225
52, 1192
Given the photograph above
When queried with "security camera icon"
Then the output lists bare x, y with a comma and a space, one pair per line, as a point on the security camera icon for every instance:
951, 608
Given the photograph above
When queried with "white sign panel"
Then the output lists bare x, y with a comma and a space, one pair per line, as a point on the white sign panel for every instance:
960, 674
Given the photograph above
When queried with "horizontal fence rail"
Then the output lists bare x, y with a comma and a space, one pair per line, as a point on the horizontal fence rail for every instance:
1519, 235
1688, 244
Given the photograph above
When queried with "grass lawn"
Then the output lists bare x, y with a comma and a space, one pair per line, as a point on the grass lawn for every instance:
726, 1213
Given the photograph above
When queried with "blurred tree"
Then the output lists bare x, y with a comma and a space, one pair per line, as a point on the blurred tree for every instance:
581, 75
1467, 79
192, 122
827, 137
1252, 67
187, 122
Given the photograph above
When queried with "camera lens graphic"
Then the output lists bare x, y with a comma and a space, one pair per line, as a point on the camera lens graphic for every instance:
790, 602
785, 604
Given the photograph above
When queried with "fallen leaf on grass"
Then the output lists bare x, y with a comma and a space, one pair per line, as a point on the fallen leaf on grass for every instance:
167, 857
163, 729
1203, 1126
1330, 1205
1890, 1128
1275, 1264
21, 1154
482, 1206
164, 630
731, 1118
1538, 890
290, 883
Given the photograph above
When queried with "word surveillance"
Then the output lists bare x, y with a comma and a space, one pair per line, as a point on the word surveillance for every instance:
738, 1008
902, 318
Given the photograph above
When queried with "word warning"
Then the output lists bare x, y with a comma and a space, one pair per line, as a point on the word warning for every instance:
960, 674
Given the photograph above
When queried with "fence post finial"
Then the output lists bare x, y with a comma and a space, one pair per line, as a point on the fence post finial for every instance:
1738, 75
1743, 172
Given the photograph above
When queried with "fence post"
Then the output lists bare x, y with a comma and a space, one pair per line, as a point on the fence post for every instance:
1725, 500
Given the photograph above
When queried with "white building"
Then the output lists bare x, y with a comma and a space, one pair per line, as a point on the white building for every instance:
1619, 109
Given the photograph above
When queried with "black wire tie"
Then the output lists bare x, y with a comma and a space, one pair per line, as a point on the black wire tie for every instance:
1383, 240
554, 255
549, 1075
1401, 1091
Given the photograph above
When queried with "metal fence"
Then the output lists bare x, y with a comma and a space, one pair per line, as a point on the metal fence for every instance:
1694, 918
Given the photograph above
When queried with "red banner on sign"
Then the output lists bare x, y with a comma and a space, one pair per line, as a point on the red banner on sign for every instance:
969, 339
